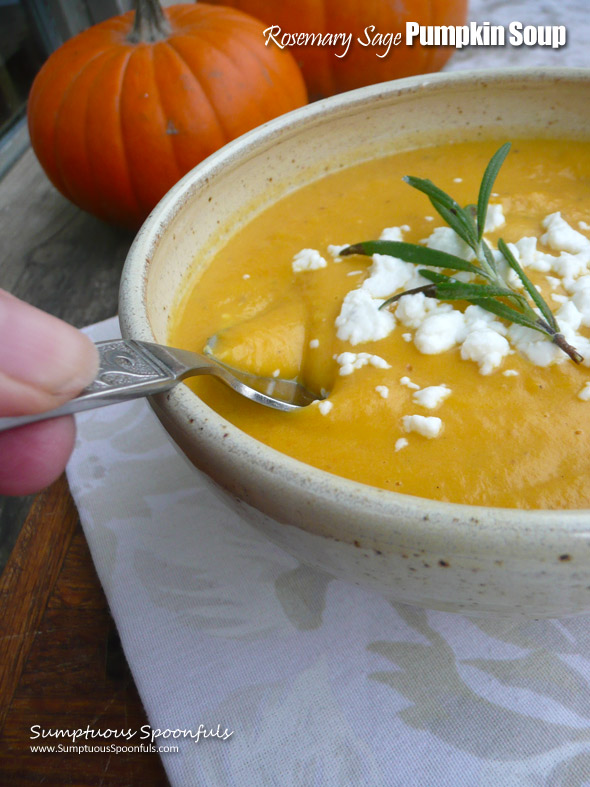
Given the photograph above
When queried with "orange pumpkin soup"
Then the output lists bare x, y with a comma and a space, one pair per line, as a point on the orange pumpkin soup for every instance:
464, 408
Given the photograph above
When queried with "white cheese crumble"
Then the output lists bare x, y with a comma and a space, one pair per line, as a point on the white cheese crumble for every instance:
427, 425
446, 239
440, 332
360, 319
494, 218
431, 396
388, 274
409, 384
314, 343
510, 373
334, 251
382, 390
584, 394
561, 237
412, 310
246, 276
350, 362
325, 406
486, 347
308, 260
392, 233
401, 443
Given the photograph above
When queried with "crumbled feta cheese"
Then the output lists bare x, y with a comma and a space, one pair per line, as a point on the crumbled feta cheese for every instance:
534, 346
401, 443
314, 343
568, 314
476, 317
570, 266
382, 390
409, 384
580, 291
431, 396
583, 225
510, 373
354, 273
429, 218
457, 180
334, 251
561, 237
308, 260
411, 310
360, 319
276, 373
407, 337
526, 251
494, 218
487, 347
387, 275
446, 239
439, 332
584, 394
391, 233
349, 362
427, 425
246, 276
325, 406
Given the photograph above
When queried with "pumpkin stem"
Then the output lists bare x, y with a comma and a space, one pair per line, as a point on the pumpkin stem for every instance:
150, 23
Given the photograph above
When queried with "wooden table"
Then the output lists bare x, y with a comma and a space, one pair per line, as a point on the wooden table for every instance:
62, 666
62, 663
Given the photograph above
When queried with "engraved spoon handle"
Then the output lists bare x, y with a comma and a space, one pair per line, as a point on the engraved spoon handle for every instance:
127, 370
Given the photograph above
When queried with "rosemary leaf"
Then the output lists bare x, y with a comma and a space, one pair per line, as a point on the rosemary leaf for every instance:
448, 289
489, 257
501, 309
450, 211
487, 184
410, 252
529, 286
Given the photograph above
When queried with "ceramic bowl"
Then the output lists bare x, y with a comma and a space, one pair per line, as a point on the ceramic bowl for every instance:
445, 556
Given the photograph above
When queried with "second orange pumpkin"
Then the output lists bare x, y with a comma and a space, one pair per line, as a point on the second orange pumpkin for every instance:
324, 72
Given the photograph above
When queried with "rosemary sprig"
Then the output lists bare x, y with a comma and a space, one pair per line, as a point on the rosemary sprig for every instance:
495, 294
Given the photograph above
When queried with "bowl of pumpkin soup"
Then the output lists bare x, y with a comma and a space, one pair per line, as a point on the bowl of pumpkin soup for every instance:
417, 254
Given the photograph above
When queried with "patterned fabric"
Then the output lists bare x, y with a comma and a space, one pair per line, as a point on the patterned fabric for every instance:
320, 682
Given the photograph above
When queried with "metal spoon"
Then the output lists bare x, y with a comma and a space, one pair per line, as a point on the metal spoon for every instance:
132, 369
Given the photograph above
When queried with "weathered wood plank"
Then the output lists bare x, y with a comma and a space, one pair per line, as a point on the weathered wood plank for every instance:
62, 662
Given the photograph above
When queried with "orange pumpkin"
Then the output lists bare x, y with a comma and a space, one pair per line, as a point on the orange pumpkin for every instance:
121, 111
324, 72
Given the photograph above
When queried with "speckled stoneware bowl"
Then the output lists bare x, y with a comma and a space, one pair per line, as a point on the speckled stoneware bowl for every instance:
444, 556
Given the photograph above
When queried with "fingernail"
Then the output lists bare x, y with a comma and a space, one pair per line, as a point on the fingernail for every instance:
43, 351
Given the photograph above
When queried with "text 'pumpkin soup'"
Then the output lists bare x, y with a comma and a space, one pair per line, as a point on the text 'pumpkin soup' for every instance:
429, 397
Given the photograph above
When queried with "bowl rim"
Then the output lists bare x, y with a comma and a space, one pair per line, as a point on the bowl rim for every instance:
181, 403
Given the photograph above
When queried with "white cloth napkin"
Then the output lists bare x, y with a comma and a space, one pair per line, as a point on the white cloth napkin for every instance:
318, 682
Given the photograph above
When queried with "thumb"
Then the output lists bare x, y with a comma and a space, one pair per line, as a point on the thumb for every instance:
43, 360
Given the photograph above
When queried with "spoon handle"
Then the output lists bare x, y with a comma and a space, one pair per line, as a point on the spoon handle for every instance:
127, 370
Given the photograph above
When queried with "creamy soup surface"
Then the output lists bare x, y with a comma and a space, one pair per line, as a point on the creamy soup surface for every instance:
457, 424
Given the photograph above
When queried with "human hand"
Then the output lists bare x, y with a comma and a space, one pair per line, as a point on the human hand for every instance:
44, 362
